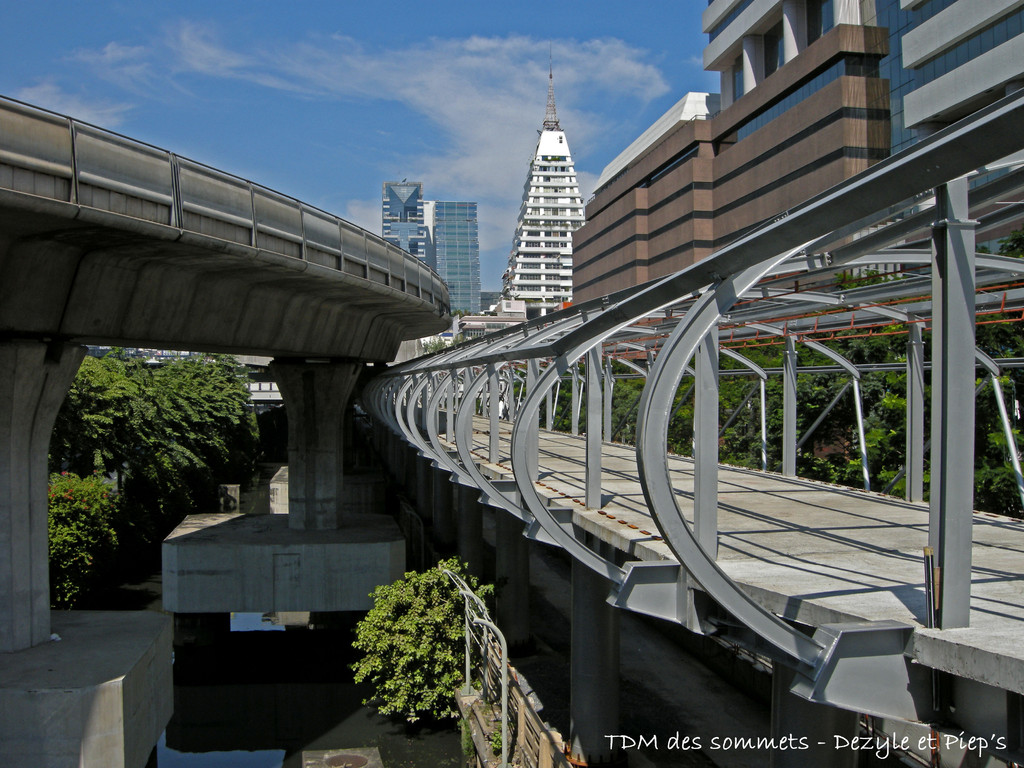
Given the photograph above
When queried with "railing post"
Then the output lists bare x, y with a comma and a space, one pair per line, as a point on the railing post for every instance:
915, 414
705, 449
592, 493
952, 456
609, 391
789, 363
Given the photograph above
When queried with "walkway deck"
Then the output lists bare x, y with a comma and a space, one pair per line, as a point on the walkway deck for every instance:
813, 552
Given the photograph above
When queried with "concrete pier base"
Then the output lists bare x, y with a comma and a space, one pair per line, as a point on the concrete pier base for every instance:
512, 578
98, 698
222, 563
812, 728
442, 514
593, 670
470, 529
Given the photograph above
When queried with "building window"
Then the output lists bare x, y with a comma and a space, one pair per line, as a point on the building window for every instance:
820, 18
773, 49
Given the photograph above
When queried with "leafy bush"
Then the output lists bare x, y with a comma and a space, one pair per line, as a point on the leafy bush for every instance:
83, 540
413, 643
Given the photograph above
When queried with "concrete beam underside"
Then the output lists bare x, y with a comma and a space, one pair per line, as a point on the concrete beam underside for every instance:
153, 286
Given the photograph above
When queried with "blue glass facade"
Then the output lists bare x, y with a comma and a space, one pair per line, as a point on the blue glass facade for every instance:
902, 81
457, 245
402, 216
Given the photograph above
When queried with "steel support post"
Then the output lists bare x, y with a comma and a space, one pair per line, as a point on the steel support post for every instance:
549, 412
34, 378
764, 429
470, 529
609, 391
443, 515
512, 577
859, 409
575, 384
915, 414
952, 457
807, 733
450, 421
592, 493
705, 448
533, 457
493, 407
789, 365
593, 669
316, 396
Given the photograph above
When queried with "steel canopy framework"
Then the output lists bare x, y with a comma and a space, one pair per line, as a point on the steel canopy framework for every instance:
914, 217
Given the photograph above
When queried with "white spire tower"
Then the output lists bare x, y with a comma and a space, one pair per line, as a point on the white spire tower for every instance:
540, 264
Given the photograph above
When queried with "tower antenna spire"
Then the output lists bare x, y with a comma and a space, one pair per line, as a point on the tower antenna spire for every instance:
550, 115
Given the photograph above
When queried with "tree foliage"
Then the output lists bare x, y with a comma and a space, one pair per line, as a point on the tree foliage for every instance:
83, 514
167, 435
413, 643
159, 440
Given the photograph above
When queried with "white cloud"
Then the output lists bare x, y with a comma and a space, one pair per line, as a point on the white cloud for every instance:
365, 214
49, 95
483, 96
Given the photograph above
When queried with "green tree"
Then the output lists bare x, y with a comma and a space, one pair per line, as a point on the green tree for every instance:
83, 542
166, 436
413, 643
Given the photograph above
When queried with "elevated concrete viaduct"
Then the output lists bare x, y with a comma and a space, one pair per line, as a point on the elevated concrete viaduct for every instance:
105, 240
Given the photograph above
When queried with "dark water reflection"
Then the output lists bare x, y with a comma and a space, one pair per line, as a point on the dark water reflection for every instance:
259, 699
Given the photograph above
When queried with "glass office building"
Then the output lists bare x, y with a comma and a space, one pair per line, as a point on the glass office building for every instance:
456, 246
402, 217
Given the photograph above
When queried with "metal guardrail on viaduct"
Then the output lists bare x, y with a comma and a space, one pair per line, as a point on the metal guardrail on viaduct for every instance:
827, 582
107, 240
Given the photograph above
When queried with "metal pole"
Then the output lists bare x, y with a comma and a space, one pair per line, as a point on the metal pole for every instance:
789, 446
1011, 441
592, 493
952, 464
764, 431
705, 452
575, 400
493, 397
533, 459
860, 434
915, 414
609, 390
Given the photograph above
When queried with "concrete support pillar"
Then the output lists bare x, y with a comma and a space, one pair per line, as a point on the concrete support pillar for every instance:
915, 414
34, 378
794, 28
705, 449
443, 514
753, 62
951, 499
726, 81
424, 487
789, 365
819, 725
470, 529
316, 396
593, 669
512, 577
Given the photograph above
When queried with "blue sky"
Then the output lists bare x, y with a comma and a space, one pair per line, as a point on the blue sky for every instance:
324, 101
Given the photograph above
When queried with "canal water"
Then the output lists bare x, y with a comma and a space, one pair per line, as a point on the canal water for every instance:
263, 694
271, 689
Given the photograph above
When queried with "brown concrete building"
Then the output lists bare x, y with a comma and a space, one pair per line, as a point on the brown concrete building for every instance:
674, 197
